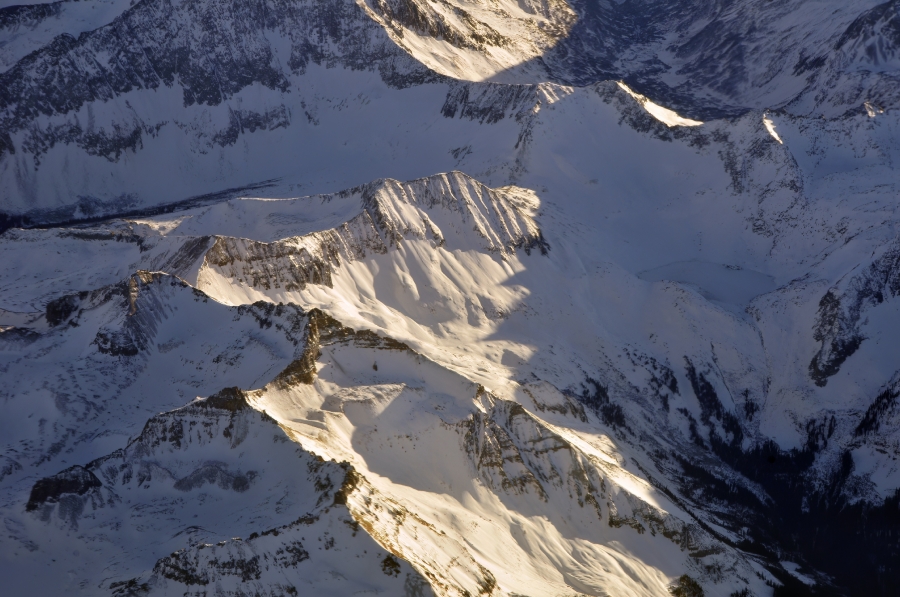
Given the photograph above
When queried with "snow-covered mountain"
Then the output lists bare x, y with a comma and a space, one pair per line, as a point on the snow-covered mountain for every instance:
449, 298
157, 102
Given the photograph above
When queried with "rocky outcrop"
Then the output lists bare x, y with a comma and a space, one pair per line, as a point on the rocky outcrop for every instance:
449, 23
128, 340
29, 14
515, 453
162, 43
76, 480
841, 311
74, 91
512, 452
291, 264
500, 218
224, 418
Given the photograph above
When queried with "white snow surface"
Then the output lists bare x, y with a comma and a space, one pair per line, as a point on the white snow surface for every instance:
502, 40
770, 126
664, 115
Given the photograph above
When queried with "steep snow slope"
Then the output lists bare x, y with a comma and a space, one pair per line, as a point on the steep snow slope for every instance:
715, 58
88, 373
706, 58
29, 26
95, 363
546, 510
596, 144
212, 469
451, 299
498, 40
601, 515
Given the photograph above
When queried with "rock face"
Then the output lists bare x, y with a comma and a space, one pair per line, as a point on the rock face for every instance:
842, 310
162, 44
607, 306
76, 480
76, 92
